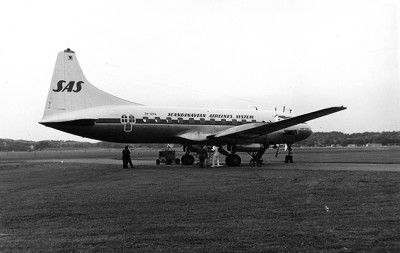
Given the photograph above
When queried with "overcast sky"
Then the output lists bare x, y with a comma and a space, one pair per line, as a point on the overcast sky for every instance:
305, 55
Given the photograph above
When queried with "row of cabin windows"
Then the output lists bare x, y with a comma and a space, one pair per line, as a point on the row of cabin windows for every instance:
193, 121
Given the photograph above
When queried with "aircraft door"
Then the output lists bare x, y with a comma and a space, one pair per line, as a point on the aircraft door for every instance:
128, 122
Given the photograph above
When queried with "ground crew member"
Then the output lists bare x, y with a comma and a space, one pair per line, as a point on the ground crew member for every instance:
215, 156
202, 153
126, 158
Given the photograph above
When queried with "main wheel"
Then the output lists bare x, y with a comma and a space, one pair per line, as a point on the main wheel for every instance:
158, 161
228, 160
177, 161
236, 160
233, 160
187, 160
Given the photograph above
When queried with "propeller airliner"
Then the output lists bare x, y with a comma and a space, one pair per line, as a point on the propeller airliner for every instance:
77, 107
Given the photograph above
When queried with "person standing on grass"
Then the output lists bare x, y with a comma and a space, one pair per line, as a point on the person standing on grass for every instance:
215, 156
126, 158
202, 153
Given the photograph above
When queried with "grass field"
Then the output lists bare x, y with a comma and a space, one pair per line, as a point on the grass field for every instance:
382, 155
69, 207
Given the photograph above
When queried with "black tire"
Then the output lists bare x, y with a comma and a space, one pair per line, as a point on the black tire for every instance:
158, 161
183, 159
236, 160
187, 160
228, 160
177, 161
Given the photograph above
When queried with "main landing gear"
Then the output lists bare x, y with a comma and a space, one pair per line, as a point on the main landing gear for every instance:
233, 160
187, 158
256, 158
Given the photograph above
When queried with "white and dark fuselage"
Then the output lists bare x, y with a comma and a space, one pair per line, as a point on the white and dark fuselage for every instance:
149, 124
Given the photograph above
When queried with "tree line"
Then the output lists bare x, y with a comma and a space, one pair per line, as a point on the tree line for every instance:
321, 139
317, 139
9, 145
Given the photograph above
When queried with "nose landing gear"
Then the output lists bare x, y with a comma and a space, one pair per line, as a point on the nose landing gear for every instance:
289, 156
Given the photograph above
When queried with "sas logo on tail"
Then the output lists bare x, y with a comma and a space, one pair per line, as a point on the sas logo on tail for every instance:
70, 87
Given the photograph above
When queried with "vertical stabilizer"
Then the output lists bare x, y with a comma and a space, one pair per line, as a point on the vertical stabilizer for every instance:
70, 90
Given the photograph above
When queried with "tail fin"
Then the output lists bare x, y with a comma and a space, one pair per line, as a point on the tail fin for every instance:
70, 90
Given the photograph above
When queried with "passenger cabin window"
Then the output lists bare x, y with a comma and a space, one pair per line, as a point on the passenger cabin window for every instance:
157, 119
124, 119
145, 119
202, 121
180, 120
191, 120
212, 121
169, 120
234, 122
223, 121
131, 119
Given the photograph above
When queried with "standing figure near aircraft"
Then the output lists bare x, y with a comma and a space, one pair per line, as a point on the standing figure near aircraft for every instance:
126, 158
202, 153
215, 156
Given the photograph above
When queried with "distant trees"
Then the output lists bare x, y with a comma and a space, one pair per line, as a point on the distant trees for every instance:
41, 145
7, 145
318, 139
358, 139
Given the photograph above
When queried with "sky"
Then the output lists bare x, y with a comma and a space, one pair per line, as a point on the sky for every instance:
304, 55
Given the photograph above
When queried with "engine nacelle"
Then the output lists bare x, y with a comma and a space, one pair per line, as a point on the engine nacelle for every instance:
255, 147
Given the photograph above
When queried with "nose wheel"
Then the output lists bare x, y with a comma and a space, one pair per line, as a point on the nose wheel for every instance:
288, 159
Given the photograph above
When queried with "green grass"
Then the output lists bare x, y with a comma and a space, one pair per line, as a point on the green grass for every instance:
47, 207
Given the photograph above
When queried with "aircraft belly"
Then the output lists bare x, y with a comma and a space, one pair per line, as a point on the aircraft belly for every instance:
171, 133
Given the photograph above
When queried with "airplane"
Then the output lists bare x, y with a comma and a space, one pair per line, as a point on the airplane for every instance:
77, 107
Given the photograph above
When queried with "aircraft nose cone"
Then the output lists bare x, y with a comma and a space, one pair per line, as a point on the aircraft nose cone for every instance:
305, 133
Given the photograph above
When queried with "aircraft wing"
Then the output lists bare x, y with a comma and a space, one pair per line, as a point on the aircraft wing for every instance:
258, 129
